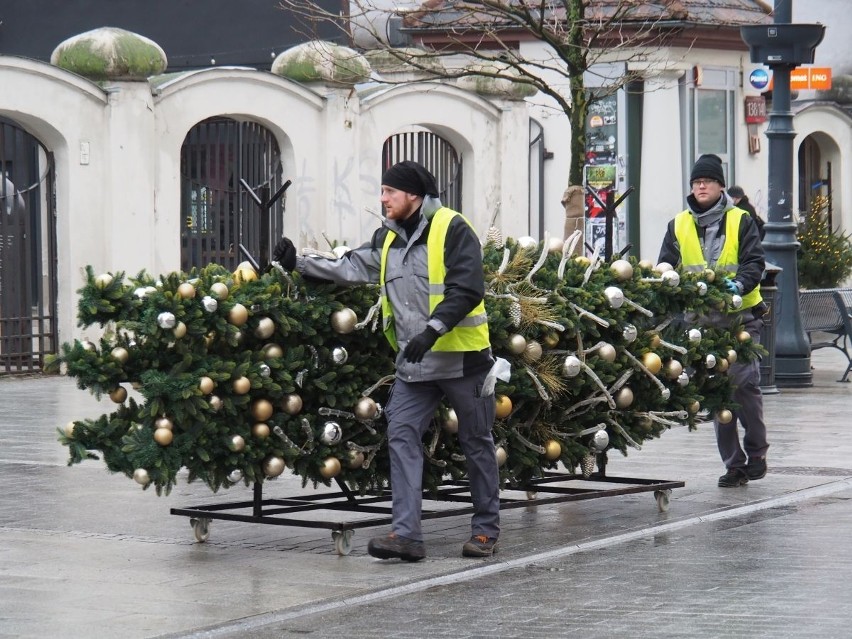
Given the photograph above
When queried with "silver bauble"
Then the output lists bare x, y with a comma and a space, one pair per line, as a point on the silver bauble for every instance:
555, 244
265, 371
683, 379
166, 320
665, 394
235, 475
572, 366
339, 355
331, 434
615, 296
215, 402
622, 269
710, 360
526, 242
600, 440
663, 267
736, 301
265, 328
141, 292
341, 250
671, 278
140, 476
702, 288
694, 335
630, 333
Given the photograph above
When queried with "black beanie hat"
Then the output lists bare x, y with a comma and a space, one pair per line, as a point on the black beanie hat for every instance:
410, 177
708, 166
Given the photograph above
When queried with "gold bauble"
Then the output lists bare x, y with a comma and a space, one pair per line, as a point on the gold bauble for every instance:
265, 328
120, 354
103, 280
238, 315
517, 344
645, 265
330, 467
209, 339
743, 336
206, 385
504, 407
724, 416
709, 274
179, 330
652, 362
722, 365
622, 269
236, 443
582, 260
163, 436
118, 394
245, 273
273, 466
673, 369
451, 423
260, 430
623, 397
272, 351
533, 351
354, 459
186, 291
292, 404
219, 290
215, 402
551, 340
343, 321
242, 385
164, 422
693, 406
140, 476
552, 449
502, 455
731, 356
656, 340
607, 353
261, 410
366, 408
69, 430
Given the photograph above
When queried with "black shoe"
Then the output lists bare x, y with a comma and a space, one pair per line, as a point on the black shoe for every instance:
756, 468
480, 546
393, 546
733, 478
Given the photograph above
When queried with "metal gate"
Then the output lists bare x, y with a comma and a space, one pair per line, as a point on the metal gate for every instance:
433, 152
219, 157
27, 252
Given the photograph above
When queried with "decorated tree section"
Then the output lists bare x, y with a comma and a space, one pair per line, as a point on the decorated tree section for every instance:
239, 377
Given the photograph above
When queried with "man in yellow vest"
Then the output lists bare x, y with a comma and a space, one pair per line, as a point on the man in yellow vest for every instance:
713, 232
428, 261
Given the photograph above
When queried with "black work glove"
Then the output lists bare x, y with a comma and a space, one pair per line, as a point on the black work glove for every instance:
285, 254
419, 344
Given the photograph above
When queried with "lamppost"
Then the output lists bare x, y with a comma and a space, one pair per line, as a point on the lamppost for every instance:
782, 46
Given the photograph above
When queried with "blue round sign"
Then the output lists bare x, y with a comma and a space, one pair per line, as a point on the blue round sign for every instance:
759, 78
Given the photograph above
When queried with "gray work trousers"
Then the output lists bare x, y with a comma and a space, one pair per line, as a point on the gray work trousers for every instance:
746, 378
410, 409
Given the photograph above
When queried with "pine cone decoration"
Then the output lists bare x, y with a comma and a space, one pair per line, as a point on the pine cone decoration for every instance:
515, 313
587, 465
494, 236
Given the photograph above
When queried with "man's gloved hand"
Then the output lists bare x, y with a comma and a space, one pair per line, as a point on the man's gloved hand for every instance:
285, 254
732, 286
419, 344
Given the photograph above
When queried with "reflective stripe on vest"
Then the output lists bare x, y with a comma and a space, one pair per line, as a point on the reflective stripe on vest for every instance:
470, 334
692, 258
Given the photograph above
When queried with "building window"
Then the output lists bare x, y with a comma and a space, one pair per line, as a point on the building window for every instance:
709, 102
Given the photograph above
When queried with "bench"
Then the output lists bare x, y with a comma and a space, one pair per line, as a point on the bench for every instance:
828, 311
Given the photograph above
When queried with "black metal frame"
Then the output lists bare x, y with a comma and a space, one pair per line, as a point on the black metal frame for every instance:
279, 511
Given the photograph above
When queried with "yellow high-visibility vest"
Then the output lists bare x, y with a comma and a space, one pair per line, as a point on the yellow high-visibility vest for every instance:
471, 334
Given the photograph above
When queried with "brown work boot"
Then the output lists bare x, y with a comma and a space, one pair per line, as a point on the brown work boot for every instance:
393, 546
480, 546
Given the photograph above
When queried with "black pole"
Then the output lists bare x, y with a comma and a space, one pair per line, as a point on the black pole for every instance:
792, 349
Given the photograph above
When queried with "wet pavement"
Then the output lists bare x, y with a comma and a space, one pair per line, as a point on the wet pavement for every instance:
84, 553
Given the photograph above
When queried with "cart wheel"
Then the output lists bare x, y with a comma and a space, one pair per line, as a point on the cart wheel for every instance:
342, 541
663, 497
201, 528
532, 495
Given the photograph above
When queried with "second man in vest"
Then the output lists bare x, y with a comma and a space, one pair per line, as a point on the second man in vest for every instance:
428, 261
